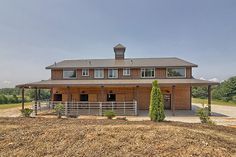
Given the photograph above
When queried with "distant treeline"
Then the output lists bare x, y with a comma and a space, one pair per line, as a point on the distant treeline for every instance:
13, 95
226, 91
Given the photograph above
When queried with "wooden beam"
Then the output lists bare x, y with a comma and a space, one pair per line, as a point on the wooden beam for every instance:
190, 98
23, 98
209, 99
51, 94
36, 94
39, 94
173, 100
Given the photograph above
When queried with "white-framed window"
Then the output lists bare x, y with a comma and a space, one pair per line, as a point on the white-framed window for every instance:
148, 72
85, 72
98, 73
176, 72
112, 73
126, 72
69, 73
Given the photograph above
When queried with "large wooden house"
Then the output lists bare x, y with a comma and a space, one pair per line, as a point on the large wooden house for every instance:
122, 80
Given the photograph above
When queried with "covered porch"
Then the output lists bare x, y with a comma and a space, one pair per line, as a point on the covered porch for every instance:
125, 97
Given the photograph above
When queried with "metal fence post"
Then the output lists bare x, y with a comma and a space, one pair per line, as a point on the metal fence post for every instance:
124, 108
112, 106
89, 108
135, 106
100, 109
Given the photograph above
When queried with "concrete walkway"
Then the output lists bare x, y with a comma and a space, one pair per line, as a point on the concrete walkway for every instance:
222, 115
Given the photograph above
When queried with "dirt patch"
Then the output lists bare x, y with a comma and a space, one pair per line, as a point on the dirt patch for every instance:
100, 137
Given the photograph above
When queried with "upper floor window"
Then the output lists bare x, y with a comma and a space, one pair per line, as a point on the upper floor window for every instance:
85, 72
112, 73
176, 72
126, 71
148, 72
98, 73
69, 74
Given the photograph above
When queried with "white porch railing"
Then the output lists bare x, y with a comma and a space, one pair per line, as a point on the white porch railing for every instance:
89, 108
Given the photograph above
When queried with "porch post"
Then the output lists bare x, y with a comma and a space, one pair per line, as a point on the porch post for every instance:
190, 108
209, 99
23, 98
137, 97
39, 98
36, 101
51, 95
39, 94
173, 100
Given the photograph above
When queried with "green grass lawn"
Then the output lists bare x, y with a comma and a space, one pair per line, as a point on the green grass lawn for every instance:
215, 102
7, 106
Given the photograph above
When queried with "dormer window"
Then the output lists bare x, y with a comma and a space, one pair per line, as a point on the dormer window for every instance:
112, 73
85, 72
69, 74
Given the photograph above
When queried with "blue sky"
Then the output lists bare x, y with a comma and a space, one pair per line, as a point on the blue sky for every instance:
36, 33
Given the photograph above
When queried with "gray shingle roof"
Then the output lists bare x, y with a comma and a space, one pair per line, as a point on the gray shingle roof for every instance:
120, 82
127, 62
119, 46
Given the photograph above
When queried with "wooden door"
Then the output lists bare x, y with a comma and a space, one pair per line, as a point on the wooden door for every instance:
167, 101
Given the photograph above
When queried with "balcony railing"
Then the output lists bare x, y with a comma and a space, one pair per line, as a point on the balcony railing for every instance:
89, 108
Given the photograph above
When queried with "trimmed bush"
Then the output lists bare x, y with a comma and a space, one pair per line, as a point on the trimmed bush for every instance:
26, 112
109, 114
59, 109
156, 108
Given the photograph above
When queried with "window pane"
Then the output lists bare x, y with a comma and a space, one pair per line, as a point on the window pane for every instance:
176, 72
69, 74
126, 71
148, 72
112, 73
111, 97
83, 97
85, 72
98, 73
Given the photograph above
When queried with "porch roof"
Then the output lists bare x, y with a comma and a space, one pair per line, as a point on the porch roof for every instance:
115, 82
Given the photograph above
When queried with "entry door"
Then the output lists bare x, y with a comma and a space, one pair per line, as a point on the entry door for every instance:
167, 101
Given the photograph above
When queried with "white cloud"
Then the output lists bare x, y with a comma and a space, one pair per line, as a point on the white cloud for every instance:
202, 78
214, 80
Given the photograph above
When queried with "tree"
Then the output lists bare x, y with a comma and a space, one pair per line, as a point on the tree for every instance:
226, 90
44, 94
156, 108
200, 92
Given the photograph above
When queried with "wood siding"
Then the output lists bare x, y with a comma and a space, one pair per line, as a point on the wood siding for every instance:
57, 74
141, 94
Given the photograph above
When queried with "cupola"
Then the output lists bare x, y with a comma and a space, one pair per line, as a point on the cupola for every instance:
119, 51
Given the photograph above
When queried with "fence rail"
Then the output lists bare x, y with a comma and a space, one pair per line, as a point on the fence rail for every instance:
89, 108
